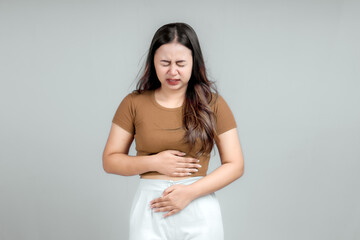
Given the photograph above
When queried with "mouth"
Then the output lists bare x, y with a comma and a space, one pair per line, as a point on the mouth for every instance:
173, 81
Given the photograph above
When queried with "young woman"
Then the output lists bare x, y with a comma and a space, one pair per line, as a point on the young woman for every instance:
175, 119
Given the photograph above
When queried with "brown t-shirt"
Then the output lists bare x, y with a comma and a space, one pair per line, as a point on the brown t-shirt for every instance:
157, 128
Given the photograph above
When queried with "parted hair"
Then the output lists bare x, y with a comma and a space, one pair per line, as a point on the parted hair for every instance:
198, 118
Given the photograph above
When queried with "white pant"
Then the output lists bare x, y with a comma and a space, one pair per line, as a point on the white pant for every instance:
200, 220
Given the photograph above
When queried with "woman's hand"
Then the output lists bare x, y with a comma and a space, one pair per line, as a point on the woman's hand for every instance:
173, 163
173, 200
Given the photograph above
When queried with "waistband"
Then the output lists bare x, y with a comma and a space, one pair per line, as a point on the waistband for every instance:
160, 184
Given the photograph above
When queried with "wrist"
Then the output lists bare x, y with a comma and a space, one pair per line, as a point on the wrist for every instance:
152, 163
192, 192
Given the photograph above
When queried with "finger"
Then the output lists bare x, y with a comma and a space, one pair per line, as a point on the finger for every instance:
182, 170
177, 153
188, 160
160, 205
168, 190
189, 165
157, 200
180, 174
172, 212
163, 209
186, 171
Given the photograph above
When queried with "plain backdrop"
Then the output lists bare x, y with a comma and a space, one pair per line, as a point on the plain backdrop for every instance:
288, 69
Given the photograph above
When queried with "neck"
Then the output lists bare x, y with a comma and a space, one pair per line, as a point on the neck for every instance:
173, 98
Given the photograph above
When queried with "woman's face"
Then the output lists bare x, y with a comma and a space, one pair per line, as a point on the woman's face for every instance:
173, 64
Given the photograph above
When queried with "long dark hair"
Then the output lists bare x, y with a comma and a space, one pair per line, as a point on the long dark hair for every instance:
198, 118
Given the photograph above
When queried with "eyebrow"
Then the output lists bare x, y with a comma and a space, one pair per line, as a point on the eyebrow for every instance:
167, 61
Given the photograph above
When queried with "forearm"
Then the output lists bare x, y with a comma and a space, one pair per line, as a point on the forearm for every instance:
221, 177
123, 164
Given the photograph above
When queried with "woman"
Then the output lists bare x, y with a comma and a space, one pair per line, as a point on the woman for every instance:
175, 119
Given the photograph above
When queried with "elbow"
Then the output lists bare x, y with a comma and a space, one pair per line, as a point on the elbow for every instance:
113, 167
240, 170
106, 165
107, 170
237, 169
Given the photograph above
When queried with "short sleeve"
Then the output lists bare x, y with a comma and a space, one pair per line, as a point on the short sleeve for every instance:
124, 115
224, 117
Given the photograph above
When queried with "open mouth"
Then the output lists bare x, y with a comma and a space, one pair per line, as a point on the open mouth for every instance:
173, 81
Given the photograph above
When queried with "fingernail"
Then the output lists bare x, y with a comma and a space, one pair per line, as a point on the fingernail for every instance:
199, 165
196, 170
189, 173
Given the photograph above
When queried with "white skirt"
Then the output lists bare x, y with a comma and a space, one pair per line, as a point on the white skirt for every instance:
200, 220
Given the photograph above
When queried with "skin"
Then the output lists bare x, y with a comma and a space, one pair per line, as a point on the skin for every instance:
174, 61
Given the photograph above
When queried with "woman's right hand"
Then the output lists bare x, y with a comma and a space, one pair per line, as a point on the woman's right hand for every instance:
173, 163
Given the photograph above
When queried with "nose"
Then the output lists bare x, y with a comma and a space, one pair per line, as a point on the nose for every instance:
173, 70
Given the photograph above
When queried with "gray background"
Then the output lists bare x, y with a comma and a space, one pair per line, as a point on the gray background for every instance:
288, 69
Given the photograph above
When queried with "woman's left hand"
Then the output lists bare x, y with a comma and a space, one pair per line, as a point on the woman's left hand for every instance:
173, 200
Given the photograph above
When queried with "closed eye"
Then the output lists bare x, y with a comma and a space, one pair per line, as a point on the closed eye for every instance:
180, 63
166, 63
